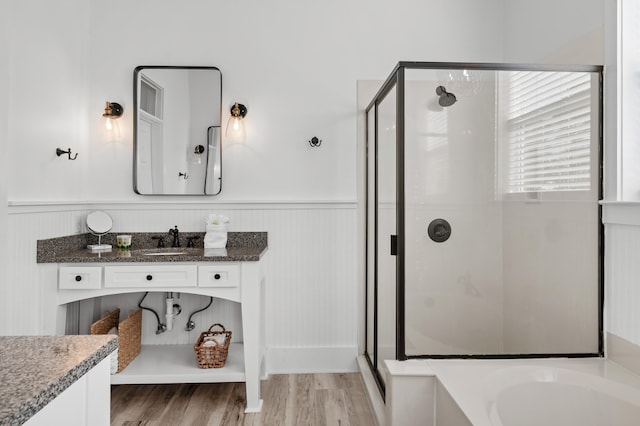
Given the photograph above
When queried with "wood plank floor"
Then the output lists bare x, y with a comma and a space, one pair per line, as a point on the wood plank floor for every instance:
292, 399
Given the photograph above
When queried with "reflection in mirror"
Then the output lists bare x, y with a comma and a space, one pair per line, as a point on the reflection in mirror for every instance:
177, 116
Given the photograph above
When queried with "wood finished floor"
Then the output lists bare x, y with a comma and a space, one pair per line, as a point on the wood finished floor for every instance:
292, 399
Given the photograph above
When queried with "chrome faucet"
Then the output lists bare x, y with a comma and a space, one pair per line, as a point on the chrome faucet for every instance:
176, 236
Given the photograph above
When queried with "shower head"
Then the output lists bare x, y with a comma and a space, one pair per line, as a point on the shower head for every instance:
446, 99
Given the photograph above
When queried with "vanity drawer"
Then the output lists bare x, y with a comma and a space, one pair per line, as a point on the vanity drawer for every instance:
223, 275
150, 276
79, 277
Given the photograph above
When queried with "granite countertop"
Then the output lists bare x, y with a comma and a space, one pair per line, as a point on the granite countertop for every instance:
241, 247
36, 369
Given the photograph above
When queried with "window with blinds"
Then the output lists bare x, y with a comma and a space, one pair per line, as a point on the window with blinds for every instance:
548, 132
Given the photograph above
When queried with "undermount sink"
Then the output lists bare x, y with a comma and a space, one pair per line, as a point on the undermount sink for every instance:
180, 251
168, 251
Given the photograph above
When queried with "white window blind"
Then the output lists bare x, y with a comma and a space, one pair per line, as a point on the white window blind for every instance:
549, 132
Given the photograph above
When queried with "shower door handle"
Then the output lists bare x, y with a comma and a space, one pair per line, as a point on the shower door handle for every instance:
394, 245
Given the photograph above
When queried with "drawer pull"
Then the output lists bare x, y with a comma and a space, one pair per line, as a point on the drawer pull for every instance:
149, 277
216, 276
78, 278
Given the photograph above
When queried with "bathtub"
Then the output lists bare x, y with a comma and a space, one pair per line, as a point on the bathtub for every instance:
518, 392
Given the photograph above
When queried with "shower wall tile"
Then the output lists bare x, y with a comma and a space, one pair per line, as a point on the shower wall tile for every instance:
551, 277
311, 267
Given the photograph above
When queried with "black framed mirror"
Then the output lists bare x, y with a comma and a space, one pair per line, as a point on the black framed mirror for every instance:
177, 138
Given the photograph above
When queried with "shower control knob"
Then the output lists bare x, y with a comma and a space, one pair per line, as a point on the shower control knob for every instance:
439, 230
216, 276
149, 277
78, 278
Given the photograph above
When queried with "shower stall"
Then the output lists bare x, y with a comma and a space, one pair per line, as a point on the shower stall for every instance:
484, 237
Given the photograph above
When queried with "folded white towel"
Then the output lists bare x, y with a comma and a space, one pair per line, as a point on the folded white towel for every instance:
215, 239
219, 339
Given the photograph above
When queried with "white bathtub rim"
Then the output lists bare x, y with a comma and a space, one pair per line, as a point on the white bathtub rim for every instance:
503, 381
469, 382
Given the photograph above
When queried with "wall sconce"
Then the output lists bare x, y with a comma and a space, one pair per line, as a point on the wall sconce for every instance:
112, 111
235, 125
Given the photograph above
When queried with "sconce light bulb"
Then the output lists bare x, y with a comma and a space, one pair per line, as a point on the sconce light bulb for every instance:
109, 124
235, 124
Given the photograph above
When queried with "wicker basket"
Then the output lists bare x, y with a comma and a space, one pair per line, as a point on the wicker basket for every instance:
214, 355
129, 334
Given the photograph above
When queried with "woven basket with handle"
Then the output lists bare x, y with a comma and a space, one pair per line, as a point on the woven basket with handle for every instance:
213, 355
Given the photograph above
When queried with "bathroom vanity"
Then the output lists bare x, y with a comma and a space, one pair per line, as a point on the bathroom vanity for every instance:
236, 273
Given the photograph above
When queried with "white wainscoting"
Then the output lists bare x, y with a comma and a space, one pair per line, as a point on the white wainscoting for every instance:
312, 272
622, 270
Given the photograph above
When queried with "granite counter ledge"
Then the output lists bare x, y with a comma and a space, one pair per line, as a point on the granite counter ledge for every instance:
241, 247
34, 370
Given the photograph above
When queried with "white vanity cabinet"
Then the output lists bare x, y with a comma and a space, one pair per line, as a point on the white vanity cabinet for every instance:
150, 276
85, 402
241, 282
80, 278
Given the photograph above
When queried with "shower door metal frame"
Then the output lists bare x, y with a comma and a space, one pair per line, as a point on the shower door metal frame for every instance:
391, 83
397, 79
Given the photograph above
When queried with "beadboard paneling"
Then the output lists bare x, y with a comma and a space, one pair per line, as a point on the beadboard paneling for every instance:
311, 290
622, 281
21, 302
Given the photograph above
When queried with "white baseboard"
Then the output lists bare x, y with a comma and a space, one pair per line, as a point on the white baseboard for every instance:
312, 360
623, 352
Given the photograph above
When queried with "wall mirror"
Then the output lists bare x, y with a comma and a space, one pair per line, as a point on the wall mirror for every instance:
177, 116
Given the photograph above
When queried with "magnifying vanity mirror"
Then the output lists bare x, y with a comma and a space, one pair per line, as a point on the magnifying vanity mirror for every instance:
177, 116
99, 224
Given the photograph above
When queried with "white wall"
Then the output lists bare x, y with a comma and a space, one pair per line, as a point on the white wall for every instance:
295, 65
621, 210
4, 142
49, 88
630, 103
566, 32
64, 59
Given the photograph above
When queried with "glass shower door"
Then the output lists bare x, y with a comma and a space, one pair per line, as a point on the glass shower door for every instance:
382, 230
507, 171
